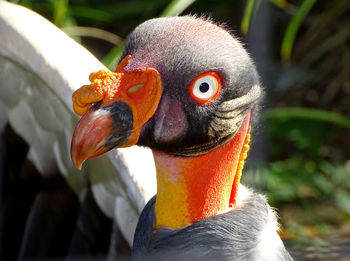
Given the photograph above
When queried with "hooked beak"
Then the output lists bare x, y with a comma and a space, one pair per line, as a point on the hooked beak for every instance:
114, 106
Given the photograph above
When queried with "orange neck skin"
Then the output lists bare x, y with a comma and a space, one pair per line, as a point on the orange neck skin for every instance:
193, 188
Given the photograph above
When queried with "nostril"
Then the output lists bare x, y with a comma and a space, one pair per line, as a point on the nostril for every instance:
135, 88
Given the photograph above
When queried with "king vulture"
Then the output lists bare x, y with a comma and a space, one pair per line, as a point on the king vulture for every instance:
186, 89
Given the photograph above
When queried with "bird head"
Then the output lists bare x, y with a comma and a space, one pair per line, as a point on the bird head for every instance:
183, 87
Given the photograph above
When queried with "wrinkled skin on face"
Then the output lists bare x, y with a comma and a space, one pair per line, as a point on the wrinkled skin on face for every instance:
177, 50
180, 50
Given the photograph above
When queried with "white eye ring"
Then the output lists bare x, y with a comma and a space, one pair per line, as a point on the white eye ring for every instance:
205, 88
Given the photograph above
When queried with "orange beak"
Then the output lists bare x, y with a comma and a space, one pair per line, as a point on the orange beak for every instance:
114, 106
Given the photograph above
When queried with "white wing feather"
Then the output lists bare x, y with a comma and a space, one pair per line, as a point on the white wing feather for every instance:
40, 67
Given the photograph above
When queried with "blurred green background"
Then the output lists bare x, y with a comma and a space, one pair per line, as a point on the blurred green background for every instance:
301, 155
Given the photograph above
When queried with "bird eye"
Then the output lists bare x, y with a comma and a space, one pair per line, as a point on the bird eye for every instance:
205, 88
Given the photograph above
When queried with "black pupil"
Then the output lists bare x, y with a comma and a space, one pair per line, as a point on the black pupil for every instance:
204, 87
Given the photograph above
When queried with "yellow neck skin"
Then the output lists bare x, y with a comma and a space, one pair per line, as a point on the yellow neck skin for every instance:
192, 188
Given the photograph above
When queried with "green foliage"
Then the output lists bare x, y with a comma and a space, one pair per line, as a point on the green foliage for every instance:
176, 7
308, 114
301, 167
293, 27
308, 171
65, 15
300, 180
247, 15
60, 11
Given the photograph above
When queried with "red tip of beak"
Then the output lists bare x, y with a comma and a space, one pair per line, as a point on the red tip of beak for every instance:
90, 136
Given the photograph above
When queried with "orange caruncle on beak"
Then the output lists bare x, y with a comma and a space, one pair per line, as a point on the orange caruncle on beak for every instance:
125, 101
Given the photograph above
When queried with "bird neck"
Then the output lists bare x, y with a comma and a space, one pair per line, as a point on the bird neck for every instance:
193, 188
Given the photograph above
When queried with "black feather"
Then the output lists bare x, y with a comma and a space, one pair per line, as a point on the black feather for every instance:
234, 235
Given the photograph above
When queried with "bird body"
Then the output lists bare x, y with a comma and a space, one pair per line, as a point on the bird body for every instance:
247, 232
187, 89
